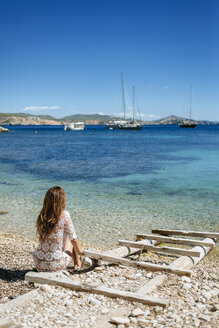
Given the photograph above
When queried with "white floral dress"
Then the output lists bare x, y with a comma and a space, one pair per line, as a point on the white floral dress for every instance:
50, 255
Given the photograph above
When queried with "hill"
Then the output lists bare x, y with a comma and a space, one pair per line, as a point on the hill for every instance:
93, 119
89, 117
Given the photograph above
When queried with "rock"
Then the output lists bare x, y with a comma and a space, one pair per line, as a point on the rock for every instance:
205, 318
94, 302
214, 308
149, 275
104, 311
133, 319
186, 279
158, 309
136, 312
98, 269
196, 323
36, 285
86, 263
143, 322
187, 286
146, 313
120, 320
207, 295
130, 277
46, 288
93, 318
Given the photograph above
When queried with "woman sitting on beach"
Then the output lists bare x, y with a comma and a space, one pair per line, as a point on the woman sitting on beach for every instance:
58, 243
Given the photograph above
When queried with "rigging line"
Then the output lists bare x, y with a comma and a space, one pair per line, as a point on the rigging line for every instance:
128, 100
138, 109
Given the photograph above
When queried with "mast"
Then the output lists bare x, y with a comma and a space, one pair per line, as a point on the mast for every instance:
133, 109
123, 96
190, 108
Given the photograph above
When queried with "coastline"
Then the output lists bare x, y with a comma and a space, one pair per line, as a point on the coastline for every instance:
193, 301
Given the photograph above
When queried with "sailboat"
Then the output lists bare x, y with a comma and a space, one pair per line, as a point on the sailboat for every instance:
124, 123
132, 124
189, 123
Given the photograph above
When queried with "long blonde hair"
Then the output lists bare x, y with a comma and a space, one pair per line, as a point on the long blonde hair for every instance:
53, 205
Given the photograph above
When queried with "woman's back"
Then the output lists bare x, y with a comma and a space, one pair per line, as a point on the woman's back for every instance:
50, 255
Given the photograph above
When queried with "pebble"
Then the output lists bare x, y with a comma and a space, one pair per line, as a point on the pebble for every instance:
158, 309
46, 288
133, 319
104, 311
94, 302
187, 286
98, 269
213, 308
149, 275
143, 321
120, 320
146, 313
205, 318
137, 312
186, 279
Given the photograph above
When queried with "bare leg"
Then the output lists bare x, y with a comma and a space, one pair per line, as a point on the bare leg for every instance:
71, 251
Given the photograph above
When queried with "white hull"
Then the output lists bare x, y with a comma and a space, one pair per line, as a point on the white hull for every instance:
78, 126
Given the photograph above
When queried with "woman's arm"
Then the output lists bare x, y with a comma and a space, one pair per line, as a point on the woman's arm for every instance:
77, 247
77, 250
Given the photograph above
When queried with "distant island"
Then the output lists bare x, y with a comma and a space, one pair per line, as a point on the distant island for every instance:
89, 119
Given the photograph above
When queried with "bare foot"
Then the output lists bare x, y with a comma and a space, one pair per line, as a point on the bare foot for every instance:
77, 266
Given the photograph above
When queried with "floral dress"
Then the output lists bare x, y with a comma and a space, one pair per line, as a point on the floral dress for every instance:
50, 255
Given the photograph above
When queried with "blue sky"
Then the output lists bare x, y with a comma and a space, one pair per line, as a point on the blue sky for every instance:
62, 57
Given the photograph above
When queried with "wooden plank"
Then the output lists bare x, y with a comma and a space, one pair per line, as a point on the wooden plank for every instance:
189, 262
20, 300
42, 278
135, 264
152, 284
187, 233
181, 241
183, 262
126, 251
170, 250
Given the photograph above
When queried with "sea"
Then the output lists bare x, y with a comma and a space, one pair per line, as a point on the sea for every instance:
118, 183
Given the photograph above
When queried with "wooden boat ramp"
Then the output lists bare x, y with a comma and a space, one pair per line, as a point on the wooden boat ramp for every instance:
186, 259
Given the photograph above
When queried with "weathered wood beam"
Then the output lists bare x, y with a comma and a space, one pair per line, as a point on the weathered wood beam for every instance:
170, 250
42, 278
181, 241
135, 264
187, 233
20, 300
126, 251
183, 262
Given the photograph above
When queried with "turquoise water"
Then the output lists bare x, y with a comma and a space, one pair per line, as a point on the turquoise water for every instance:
117, 183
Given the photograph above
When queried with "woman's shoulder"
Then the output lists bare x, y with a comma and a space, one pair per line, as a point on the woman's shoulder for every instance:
65, 214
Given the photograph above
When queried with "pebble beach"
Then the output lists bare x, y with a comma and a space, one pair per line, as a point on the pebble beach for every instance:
193, 302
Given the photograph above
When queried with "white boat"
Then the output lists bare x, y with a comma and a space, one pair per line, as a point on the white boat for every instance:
132, 124
76, 126
124, 123
114, 124
189, 123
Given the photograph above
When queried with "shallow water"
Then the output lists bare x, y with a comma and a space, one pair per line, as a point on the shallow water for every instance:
117, 183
